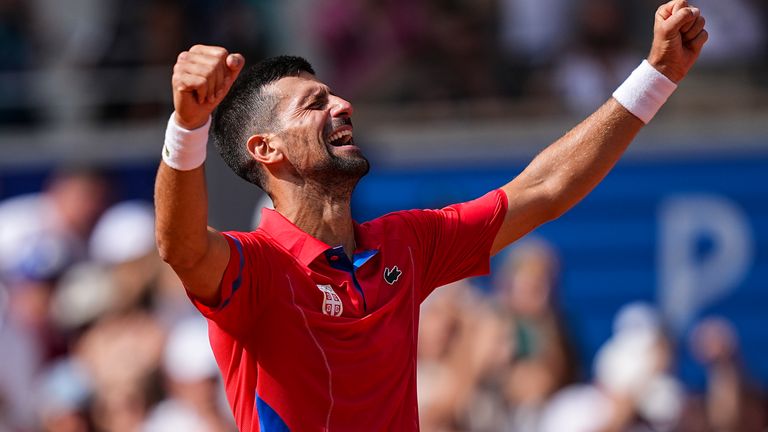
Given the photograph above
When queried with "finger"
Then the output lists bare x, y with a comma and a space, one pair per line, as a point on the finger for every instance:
221, 78
213, 51
215, 58
674, 24
205, 65
201, 70
695, 29
211, 86
191, 83
235, 63
679, 5
685, 28
698, 42
198, 70
211, 67
667, 9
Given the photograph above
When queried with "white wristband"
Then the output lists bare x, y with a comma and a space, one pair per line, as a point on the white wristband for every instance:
184, 149
645, 91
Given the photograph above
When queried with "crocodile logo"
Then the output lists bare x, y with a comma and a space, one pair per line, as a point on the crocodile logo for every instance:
392, 275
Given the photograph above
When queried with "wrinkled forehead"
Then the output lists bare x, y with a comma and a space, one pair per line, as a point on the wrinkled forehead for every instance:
294, 90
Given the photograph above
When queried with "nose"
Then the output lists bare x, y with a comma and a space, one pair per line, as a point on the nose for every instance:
340, 107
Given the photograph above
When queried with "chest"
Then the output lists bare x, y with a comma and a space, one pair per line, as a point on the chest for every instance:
336, 286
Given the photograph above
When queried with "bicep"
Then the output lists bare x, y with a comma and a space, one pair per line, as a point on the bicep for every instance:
203, 278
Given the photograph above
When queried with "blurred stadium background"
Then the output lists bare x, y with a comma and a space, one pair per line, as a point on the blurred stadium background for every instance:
643, 309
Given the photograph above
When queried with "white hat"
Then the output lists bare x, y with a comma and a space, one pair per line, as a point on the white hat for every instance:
188, 354
83, 294
125, 232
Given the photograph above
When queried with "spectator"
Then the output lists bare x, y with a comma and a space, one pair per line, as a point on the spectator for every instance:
602, 57
66, 211
532, 36
730, 404
63, 395
195, 400
460, 341
541, 361
633, 389
41, 235
124, 242
121, 355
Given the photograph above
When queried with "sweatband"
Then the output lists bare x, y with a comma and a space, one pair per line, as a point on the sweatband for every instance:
645, 91
184, 149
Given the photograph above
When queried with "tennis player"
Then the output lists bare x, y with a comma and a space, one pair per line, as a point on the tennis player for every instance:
313, 318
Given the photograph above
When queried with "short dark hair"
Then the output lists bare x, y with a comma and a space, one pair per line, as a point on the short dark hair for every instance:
248, 109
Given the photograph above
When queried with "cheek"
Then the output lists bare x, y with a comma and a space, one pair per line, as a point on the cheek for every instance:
303, 149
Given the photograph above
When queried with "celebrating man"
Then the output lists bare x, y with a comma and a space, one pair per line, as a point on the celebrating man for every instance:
314, 318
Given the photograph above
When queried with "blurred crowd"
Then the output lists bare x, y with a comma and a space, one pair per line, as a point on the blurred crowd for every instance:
506, 362
110, 59
98, 335
97, 332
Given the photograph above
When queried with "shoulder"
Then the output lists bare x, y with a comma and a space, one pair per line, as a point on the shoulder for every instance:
393, 222
249, 239
489, 204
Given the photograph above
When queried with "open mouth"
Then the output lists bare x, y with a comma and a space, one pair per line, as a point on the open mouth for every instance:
341, 138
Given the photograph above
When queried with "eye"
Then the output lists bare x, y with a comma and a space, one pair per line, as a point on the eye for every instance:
318, 104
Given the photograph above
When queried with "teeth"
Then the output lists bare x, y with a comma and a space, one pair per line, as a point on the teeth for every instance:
339, 134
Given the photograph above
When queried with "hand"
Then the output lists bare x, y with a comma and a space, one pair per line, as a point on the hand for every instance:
678, 36
202, 77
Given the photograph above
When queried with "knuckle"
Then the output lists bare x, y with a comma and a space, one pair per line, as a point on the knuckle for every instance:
210, 73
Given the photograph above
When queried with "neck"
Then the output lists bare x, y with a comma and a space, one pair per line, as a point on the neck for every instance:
321, 214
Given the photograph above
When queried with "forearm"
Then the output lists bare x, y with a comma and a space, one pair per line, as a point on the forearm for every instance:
566, 171
570, 168
181, 206
201, 78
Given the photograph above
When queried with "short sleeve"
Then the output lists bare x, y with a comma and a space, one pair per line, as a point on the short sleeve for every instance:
239, 305
455, 242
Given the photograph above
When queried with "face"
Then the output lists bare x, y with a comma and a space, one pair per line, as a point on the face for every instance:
316, 130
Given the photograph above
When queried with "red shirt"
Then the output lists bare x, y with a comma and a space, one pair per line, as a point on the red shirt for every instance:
308, 340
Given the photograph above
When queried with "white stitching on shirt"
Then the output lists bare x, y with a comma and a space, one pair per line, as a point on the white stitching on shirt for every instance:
322, 352
416, 310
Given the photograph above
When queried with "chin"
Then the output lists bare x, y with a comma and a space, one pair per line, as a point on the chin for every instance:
355, 167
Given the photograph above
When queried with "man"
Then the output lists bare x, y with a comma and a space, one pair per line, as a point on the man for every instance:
313, 318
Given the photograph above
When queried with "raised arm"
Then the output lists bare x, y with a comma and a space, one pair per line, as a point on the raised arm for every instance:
198, 254
567, 170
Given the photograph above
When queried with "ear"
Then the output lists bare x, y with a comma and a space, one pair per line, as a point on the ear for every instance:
262, 148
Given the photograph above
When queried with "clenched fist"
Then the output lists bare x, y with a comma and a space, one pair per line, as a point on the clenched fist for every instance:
678, 36
202, 77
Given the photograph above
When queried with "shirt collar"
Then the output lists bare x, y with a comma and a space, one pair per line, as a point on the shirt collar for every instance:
300, 244
303, 246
